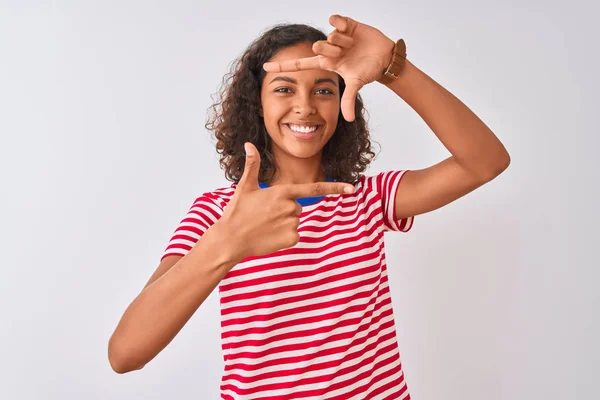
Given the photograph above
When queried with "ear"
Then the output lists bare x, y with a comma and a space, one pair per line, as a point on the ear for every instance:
260, 112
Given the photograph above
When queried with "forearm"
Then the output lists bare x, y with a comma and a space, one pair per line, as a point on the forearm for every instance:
467, 138
160, 311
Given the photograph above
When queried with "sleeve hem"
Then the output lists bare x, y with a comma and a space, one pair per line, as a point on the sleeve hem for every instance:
404, 224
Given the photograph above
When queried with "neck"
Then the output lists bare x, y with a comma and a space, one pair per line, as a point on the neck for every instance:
298, 170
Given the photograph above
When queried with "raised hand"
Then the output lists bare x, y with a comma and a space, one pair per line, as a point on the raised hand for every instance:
261, 221
356, 51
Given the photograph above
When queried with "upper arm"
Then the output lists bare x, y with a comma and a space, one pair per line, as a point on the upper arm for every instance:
164, 266
428, 189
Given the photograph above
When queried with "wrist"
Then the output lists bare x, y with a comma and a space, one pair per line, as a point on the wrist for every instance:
396, 63
390, 54
222, 241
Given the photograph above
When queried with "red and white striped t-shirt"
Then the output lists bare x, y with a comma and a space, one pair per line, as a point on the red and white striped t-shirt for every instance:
313, 321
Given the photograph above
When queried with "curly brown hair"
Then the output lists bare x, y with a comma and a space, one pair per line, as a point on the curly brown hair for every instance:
234, 118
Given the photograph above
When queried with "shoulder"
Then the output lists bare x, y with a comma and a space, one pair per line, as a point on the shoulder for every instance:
381, 182
218, 197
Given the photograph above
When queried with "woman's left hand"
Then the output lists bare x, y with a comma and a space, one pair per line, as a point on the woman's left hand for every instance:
356, 51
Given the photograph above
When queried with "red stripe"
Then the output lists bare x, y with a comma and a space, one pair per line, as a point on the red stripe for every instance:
370, 211
304, 333
308, 285
254, 307
346, 371
347, 356
314, 229
376, 242
298, 321
333, 387
374, 378
270, 316
360, 322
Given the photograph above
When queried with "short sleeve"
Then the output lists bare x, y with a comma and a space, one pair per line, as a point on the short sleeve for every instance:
386, 185
203, 213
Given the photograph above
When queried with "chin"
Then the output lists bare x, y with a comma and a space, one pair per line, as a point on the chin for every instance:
302, 150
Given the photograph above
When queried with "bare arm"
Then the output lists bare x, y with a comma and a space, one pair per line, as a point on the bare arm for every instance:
477, 157
172, 295
255, 222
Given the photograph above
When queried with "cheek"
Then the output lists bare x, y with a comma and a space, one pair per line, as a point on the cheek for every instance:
273, 111
331, 112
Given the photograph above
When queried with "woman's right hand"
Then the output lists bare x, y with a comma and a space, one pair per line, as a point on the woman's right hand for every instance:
261, 221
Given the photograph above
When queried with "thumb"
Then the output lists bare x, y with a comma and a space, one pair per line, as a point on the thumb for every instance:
249, 179
348, 100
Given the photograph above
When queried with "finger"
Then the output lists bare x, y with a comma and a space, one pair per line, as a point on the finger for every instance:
249, 179
298, 209
343, 24
327, 49
349, 99
296, 191
341, 40
293, 65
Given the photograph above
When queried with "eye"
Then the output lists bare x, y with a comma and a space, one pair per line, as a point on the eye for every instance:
326, 90
318, 91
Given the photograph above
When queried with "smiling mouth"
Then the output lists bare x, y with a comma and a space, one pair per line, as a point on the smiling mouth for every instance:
303, 129
305, 132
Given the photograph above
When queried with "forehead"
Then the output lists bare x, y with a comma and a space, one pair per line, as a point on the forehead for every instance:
300, 50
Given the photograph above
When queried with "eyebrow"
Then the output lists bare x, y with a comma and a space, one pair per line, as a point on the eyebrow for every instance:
292, 80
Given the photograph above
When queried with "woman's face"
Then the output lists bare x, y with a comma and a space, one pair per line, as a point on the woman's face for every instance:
301, 108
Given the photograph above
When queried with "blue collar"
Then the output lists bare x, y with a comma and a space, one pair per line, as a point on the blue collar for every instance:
304, 201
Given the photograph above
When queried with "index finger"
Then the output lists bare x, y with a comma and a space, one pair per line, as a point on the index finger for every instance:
293, 65
300, 190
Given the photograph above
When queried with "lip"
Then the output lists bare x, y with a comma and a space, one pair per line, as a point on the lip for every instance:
304, 136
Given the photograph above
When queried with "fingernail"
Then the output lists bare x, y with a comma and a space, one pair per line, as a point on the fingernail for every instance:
247, 150
349, 189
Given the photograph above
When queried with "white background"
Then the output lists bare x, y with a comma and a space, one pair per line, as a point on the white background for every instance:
103, 149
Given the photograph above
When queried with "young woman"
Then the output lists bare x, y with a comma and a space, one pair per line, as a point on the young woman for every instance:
299, 260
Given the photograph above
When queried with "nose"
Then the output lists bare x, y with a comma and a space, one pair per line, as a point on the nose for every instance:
303, 104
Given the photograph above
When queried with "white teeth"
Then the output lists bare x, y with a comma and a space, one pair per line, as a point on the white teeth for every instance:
302, 129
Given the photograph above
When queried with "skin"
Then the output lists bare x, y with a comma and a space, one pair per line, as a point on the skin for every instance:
282, 101
359, 52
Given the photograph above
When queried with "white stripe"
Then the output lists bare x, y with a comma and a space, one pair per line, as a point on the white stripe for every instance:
366, 190
363, 381
304, 326
319, 372
293, 353
373, 261
307, 266
324, 385
375, 217
288, 305
309, 338
324, 358
306, 314
206, 202
391, 390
